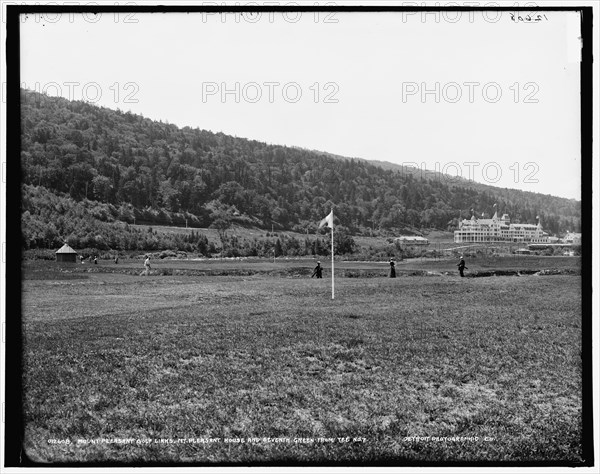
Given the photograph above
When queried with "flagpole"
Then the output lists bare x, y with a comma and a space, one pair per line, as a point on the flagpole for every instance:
332, 269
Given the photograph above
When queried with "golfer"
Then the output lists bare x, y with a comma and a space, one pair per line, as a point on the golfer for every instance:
392, 268
146, 266
318, 271
461, 266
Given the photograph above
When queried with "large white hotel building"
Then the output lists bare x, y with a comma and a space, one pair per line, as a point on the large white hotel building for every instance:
498, 230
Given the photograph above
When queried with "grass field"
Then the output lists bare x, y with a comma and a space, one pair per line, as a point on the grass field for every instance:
180, 367
302, 266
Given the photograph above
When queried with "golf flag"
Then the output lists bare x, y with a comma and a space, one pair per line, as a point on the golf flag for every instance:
328, 220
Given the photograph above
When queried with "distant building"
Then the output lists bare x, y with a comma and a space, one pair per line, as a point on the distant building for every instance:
66, 254
523, 251
412, 240
572, 238
498, 230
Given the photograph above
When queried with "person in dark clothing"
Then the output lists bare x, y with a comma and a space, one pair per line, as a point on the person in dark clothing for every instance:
116, 259
318, 271
95, 260
461, 266
392, 268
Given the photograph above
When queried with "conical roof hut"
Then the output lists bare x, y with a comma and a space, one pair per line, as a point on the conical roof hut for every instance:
66, 254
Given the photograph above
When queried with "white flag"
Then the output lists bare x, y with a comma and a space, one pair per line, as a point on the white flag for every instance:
328, 220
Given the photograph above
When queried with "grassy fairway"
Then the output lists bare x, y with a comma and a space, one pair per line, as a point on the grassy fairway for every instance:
178, 367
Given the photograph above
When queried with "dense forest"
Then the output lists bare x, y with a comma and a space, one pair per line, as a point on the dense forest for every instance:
148, 172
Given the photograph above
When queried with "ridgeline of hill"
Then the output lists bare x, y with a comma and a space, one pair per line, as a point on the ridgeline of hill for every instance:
85, 168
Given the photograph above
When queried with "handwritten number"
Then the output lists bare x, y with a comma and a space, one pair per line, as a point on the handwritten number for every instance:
528, 18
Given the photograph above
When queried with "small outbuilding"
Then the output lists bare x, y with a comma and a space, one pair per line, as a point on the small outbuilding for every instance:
412, 240
66, 254
523, 252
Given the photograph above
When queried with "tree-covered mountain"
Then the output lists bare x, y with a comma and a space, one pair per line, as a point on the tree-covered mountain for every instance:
161, 173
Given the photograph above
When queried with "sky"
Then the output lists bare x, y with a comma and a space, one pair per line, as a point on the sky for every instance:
471, 94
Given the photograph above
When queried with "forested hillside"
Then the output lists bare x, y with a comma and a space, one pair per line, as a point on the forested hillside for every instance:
159, 173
